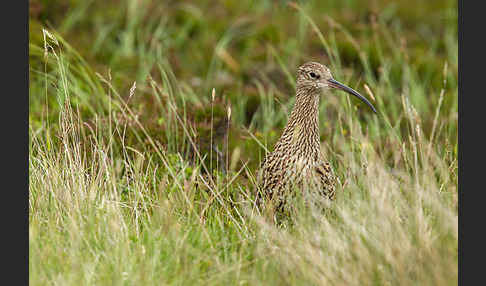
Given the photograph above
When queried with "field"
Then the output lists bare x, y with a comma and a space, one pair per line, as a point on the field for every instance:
127, 97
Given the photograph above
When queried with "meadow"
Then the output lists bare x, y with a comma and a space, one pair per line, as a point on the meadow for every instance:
148, 121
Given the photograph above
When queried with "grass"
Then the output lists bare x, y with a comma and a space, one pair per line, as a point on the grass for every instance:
124, 188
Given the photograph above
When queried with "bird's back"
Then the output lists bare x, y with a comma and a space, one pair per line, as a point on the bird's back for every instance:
289, 168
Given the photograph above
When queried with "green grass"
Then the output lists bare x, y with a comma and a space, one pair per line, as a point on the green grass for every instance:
124, 189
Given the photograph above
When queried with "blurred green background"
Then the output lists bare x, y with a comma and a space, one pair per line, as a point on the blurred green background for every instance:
244, 49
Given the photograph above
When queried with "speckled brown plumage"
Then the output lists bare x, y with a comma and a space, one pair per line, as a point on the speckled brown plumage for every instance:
296, 161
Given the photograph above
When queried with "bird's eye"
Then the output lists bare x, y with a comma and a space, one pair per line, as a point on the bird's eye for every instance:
314, 75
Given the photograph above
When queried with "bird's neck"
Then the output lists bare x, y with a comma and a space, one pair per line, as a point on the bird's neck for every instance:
306, 108
302, 129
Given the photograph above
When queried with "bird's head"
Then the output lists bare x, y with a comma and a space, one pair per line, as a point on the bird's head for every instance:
314, 76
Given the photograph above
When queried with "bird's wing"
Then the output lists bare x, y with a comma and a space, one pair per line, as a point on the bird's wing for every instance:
325, 177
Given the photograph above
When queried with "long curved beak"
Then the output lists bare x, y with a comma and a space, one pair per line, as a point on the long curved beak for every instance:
336, 84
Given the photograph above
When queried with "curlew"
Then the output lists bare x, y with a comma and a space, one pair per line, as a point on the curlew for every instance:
296, 161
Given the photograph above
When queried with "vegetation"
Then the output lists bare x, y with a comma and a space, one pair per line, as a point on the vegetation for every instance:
125, 188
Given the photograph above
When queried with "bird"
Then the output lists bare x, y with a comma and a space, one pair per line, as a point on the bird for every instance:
296, 161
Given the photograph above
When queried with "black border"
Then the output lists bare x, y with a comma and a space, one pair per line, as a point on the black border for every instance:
471, 160
15, 121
